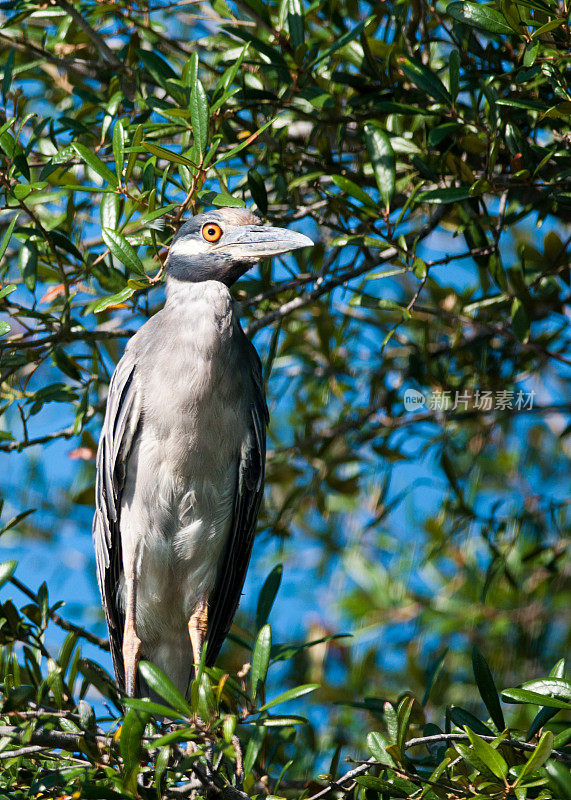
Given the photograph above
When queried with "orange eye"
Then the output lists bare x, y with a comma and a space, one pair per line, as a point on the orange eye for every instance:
211, 232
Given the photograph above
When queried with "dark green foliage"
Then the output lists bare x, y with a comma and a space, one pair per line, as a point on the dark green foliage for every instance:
53, 740
426, 148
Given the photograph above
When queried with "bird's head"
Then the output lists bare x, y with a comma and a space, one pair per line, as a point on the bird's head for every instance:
222, 245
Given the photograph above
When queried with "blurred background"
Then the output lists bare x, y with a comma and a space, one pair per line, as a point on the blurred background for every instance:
428, 160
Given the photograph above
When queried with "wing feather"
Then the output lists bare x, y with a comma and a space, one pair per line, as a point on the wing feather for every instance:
225, 597
117, 435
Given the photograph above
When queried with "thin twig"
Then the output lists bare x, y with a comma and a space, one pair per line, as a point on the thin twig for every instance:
22, 751
63, 623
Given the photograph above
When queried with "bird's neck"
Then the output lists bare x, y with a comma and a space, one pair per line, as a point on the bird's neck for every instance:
219, 267
184, 294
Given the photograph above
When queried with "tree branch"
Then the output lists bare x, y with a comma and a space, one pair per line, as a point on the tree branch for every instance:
363, 768
63, 623
62, 336
95, 37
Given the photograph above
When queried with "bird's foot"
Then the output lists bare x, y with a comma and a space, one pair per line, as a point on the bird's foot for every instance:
197, 629
131, 655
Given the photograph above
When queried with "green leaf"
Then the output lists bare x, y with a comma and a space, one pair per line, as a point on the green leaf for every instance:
404, 711
562, 739
520, 320
261, 659
149, 707
295, 23
113, 300
135, 143
228, 727
268, 594
4, 327
100, 679
488, 755
64, 657
258, 190
537, 758
391, 721
164, 687
130, 746
438, 196
220, 199
157, 67
454, 73
119, 139
425, 79
260, 10
441, 132
531, 51
291, 694
254, 746
531, 105
177, 735
167, 155
470, 757
557, 687
8, 234
558, 670
61, 241
6, 571
253, 136
539, 721
95, 164
7, 76
382, 159
487, 688
352, 190
28, 264
525, 696
199, 115
549, 26
419, 268
479, 16
341, 42
283, 652
224, 87
377, 745
281, 722
462, 718
109, 209
123, 251
8, 289
15, 520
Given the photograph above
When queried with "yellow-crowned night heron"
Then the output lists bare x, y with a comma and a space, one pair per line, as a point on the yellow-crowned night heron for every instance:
180, 464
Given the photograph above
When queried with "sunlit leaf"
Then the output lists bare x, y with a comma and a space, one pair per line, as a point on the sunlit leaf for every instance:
164, 687
261, 659
123, 251
480, 16
95, 163
290, 694
382, 160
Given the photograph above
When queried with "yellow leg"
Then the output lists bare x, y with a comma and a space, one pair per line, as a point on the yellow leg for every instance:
197, 628
131, 644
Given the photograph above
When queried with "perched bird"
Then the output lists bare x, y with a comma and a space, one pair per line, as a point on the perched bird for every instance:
180, 463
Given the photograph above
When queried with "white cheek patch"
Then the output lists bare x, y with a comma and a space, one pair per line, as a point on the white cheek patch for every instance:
188, 247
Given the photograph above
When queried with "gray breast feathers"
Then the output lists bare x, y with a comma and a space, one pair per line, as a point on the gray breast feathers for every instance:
160, 397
